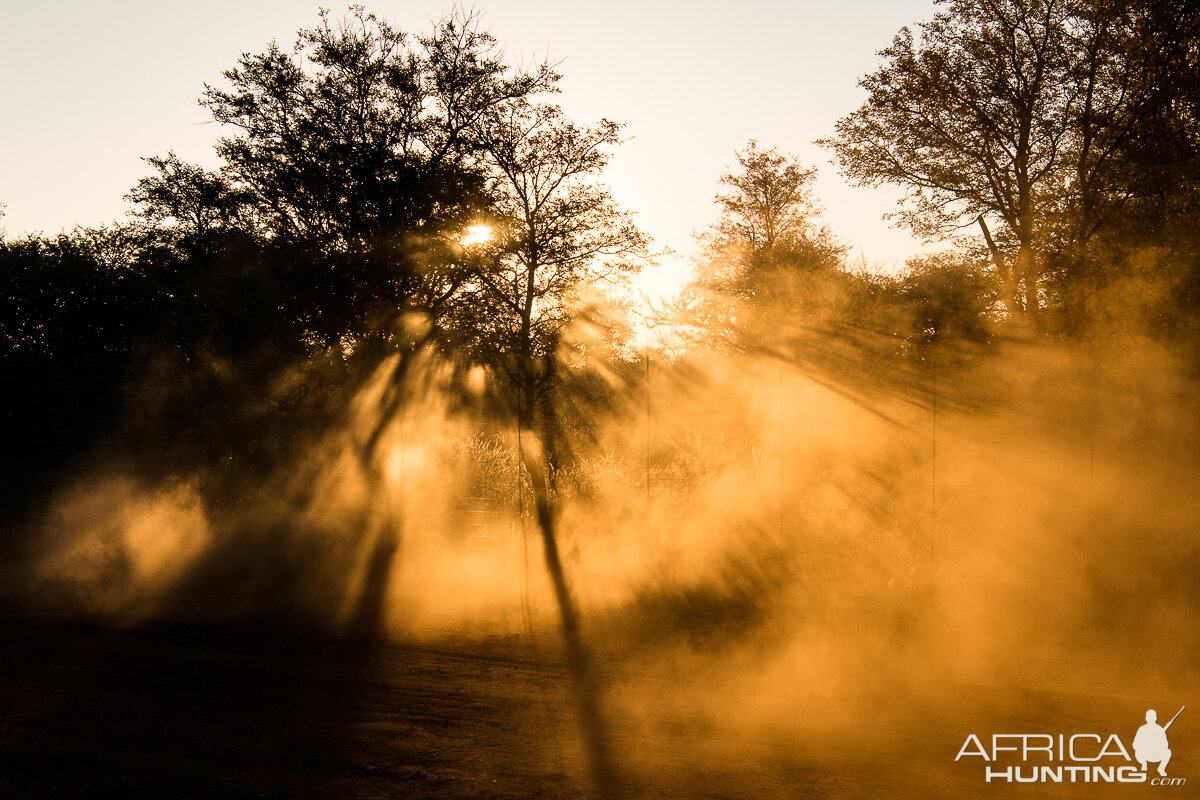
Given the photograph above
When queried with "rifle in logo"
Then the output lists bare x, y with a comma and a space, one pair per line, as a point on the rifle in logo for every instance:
1177, 713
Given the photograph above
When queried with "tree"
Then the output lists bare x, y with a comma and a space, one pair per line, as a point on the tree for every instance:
74, 316
558, 231
195, 238
949, 299
1136, 168
1047, 123
73, 300
187, 200
766, 254
359, 154
1138, 66
975, 120
770, 200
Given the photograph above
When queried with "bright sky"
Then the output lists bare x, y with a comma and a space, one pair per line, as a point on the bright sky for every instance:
90, 88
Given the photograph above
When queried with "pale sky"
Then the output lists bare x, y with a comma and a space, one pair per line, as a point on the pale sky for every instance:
88, 88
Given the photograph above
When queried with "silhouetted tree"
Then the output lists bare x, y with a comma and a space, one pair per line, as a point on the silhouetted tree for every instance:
195, 237
190, 203
75, 313
769, 202
975, 120
1137, 64
767, 255
1041, 121
357, 150
950, 299
1133, 190
73, 298
558, 232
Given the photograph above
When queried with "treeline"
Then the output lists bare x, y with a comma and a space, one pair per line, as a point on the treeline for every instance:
381, 193
1063, 134
1051, 145
772, 279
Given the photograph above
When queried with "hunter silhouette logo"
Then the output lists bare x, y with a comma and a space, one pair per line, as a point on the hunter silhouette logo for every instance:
1150, 743
1076, 758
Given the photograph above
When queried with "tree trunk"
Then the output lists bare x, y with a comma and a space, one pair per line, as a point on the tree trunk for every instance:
1027, 270
1008, 285
538, 423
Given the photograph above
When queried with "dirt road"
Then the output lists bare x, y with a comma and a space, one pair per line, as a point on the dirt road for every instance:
88, 711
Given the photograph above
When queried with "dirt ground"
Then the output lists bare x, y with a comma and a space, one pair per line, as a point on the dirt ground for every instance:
88, 711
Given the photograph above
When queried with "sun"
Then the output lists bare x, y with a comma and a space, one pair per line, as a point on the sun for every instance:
477, 234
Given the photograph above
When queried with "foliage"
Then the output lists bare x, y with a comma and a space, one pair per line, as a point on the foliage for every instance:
74, 314
951, 299
1029, 117
245, 303
974, 120
360, 156
73, 298
188, 201
765, 256
769, 202
558, 232
1126, 228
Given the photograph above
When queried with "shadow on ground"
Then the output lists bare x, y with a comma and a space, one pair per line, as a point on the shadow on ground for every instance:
199, 712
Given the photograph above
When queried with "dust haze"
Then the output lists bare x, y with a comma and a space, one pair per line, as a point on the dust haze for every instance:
352, 465
775, 549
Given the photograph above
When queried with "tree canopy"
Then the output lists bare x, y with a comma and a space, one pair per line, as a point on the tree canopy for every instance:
769, 199
360, 155
973, 118
1055, 139
1029, 118
766, 250
557, 229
